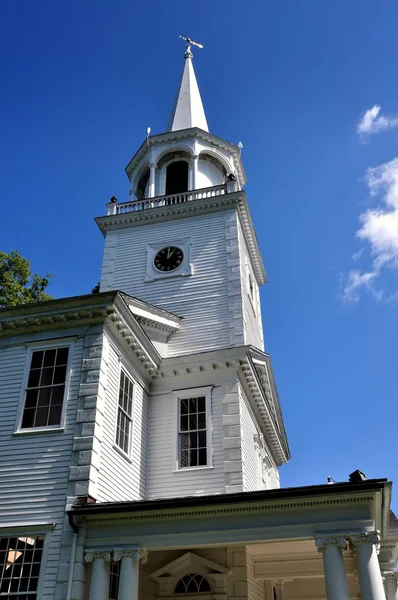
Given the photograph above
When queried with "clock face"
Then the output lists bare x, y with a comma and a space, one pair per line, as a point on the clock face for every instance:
168, 259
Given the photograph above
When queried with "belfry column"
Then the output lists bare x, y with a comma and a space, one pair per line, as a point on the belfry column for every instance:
129, 571
332, 547
390, 585
152, 176
195, 163
365, 546
99, 586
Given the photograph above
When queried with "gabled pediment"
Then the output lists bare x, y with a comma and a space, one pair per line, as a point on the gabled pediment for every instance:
168, 576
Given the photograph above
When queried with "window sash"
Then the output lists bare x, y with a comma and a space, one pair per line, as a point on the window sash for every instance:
124, 420
20, 563
46, 385
193, 442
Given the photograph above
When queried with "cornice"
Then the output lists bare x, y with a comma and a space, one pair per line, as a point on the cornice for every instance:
179, 211
106, 308
226, 510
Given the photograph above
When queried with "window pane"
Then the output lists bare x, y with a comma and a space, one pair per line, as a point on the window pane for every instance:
37, 359
31, 398
202, 439
62, 356
193, 457
46, 376
59, 374
34, 377
41, 417
184, 423
184, 441
184, 407
28, 417
44, 397
203, 456
202, 421
49, 358
192, 405
55, 415
193, 422
202, 404
57, 395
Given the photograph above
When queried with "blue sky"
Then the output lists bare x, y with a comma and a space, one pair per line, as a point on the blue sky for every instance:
81, 81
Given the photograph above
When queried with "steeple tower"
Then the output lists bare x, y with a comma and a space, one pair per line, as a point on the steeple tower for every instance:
188, 108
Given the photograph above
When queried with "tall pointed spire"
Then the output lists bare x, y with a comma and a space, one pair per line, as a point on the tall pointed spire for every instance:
188, 109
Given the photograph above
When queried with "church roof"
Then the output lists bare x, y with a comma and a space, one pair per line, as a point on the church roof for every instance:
188, 108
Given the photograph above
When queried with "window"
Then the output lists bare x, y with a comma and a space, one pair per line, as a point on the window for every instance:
194, 583
193, 432
20, 559
124, 412
114, 580
45, 389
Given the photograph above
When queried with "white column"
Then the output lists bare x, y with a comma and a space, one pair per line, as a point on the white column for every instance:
390, 585
332, 547
99, 586
129, 572
365, 546
195, 165
152, 176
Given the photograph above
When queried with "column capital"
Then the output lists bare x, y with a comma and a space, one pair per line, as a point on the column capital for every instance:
153, 165
103, 554
323, 540
138, 554
366, 537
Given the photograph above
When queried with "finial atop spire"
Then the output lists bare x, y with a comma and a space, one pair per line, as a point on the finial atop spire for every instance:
188, 52
188, 108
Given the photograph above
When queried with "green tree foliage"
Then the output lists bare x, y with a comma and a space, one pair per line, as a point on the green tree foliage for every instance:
18, 285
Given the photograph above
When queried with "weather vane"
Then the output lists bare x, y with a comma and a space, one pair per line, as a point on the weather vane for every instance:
188, 53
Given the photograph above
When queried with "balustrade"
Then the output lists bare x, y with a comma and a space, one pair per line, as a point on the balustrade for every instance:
147, 203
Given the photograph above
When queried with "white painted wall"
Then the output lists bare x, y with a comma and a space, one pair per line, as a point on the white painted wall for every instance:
34, 469
163, 479
121, 478
252, 475
251, 305
203, 299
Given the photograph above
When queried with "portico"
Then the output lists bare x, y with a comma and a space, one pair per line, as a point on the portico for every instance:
315, 542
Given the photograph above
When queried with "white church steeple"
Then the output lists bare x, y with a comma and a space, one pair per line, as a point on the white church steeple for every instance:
188, 108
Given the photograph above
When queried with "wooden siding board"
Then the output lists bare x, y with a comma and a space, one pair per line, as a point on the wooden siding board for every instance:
34, 469
119, 478
163, 481
202, 298
251, 308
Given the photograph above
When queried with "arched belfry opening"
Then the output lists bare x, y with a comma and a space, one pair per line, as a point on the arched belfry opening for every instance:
143, 184
177, 177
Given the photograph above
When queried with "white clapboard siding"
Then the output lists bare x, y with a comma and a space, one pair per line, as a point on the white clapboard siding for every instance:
201, 298
251, 307
34, 469
121, 478
163, 481
251, 479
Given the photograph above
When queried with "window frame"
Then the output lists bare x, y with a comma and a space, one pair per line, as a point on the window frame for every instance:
31, 531
35, 347
127, 373
185, 394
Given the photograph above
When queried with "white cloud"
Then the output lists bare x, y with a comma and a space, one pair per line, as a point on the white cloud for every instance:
373, 122
379, 231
